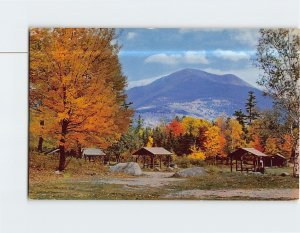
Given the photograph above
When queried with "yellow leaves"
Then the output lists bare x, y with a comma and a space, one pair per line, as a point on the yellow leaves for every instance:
191, 125
213, 141
271, 147
196, 154
150, 141
75, 74
62, 115
235, 135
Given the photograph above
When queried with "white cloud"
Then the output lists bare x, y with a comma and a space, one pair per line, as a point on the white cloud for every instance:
247, 36
188, 30
231, 55
188, 57
163, 58
194, 57
131, 35
142, 82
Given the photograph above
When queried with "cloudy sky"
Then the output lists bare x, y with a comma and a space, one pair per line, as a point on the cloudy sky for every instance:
148, 54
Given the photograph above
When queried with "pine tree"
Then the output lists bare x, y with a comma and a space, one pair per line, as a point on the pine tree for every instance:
240, 117
250, 107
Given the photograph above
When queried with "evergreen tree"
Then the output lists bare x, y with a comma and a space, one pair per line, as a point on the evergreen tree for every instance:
240, 117
252, 113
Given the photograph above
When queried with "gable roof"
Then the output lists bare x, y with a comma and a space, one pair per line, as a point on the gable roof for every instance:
279, 155
153, 151
92, 151
253, 151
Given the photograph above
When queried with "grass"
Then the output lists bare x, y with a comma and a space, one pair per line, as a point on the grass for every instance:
79, 182
226, 180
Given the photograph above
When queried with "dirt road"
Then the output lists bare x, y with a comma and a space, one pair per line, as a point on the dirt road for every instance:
149, 179
265, 194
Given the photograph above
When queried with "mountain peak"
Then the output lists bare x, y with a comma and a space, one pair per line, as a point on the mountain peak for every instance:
193, 92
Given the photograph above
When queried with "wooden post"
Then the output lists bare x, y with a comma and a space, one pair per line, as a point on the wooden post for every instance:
152, 161
144, 160
230, 163
160, 161
241, 163
236, 164
271, 162
254, 164
169, 160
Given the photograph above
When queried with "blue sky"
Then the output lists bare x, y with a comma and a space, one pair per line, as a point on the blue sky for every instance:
148, 54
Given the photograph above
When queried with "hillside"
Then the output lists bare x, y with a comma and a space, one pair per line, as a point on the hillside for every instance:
192, 92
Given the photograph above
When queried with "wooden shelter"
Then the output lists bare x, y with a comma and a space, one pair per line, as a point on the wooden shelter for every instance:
277, 160
247, 159
92, 153
151, 155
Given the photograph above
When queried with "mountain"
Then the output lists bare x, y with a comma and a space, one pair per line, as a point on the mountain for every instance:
195, 93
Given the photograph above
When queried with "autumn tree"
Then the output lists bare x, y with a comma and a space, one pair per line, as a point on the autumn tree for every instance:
196, 153
256, 143
191, 125
213, 141
287, 145
76, 76
150, 141
175, 127
271, 147
234, 135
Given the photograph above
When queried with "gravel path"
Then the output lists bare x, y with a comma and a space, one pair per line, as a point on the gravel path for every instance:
256, 193
150, 179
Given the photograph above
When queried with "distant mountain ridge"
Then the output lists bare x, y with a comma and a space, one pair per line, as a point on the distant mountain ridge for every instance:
192, 92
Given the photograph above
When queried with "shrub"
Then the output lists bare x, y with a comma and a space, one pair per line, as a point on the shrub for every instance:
185, 162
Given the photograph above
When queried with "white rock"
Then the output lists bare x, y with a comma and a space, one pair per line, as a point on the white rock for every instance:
130, 168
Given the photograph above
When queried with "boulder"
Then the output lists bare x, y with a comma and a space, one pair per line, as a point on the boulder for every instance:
58, 172
191, 172
130, 168
257, 173
284, 174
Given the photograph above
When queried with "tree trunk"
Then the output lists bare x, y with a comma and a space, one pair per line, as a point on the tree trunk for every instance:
62, 156
40, 144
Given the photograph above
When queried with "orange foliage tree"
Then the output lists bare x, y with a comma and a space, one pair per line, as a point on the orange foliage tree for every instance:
77, 83
175, 127
271, 147
287, 145
256, 143
213, 142
234, 135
